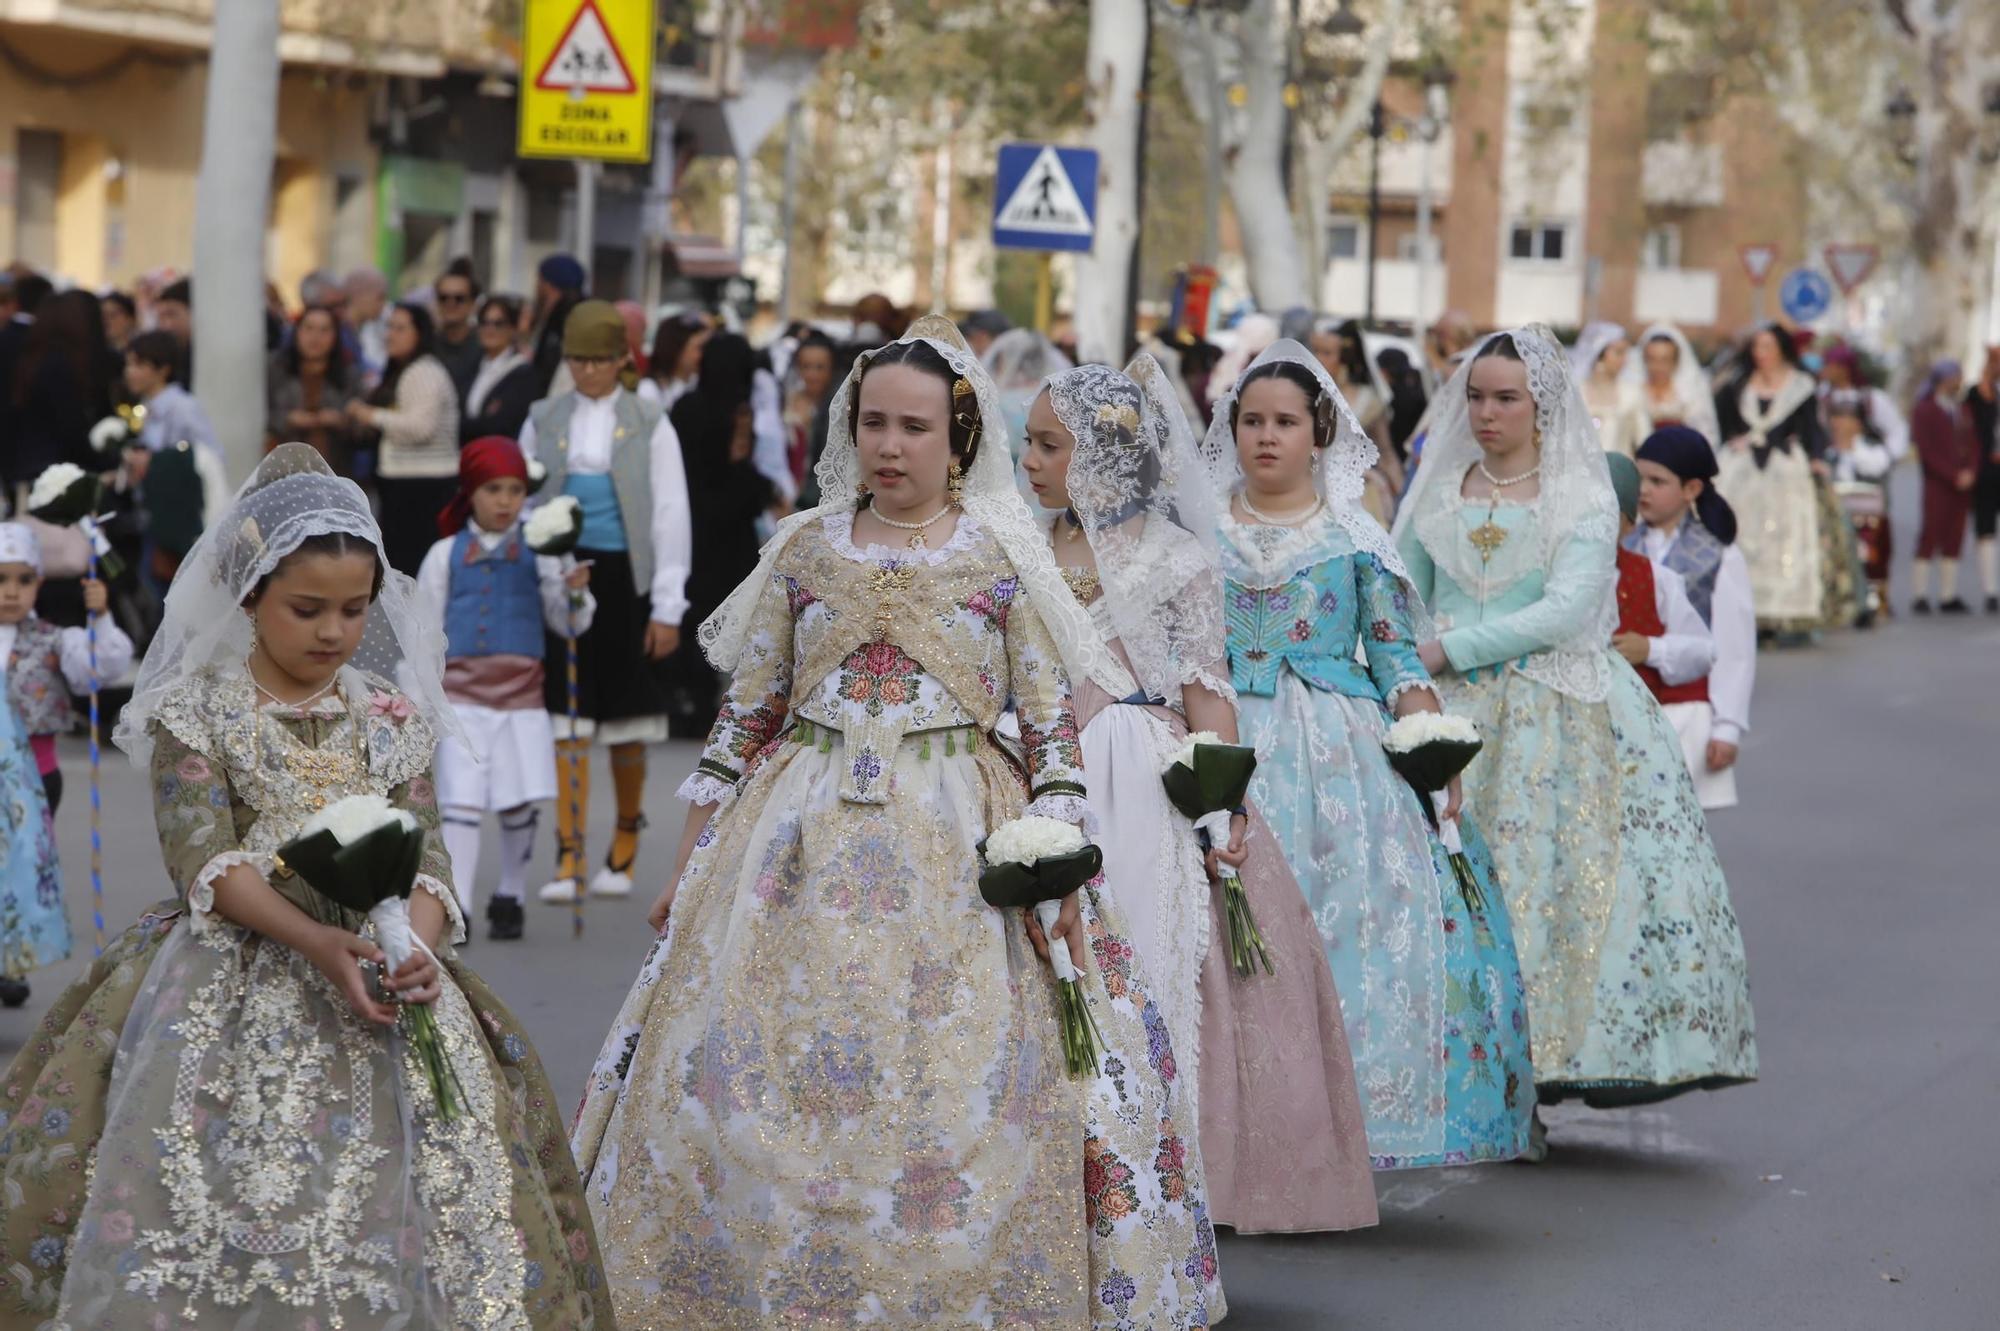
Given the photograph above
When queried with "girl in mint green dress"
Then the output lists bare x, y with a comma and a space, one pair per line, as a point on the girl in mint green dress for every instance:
1637, 985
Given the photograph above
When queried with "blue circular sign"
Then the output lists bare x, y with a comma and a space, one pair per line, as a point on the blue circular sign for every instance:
1805, 295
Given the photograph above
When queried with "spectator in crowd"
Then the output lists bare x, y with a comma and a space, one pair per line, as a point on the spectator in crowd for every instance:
456, 294
811, 379
177, 468
173, 313
368, 314
173, 310
676, 358
415, 410
558, 288
714, 421
981, 327
877, 320
504, 386
61, 385
308, 386
121, 319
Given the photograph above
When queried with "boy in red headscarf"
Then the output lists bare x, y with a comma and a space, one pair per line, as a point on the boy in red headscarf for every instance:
494, 596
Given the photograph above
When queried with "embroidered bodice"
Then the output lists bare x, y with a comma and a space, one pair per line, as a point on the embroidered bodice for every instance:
1302, 599
882, 643
1506, 610
233, 781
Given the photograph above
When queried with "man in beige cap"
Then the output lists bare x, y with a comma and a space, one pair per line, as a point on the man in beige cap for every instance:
619, 457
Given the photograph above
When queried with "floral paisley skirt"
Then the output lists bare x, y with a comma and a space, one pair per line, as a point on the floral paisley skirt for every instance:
836, 1096
202, 1133
1429, 987
1637, 984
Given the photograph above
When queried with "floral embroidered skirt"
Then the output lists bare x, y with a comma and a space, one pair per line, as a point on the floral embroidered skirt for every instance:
202, 1133
1429, 988
836, 1094
34, 928
1780, 531
1637, 983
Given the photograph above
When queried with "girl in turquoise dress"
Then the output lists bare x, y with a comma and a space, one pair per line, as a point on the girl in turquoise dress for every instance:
1636, 979
1430, 991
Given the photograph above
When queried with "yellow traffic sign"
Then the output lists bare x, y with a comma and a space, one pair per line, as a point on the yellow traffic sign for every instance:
587, 79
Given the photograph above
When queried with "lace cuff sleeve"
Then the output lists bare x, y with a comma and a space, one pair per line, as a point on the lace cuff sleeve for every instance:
201, 915
705, 788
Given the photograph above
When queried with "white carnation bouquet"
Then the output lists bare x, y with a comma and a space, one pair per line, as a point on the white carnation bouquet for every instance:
65, 495
119, 430
1035, 862
555, 527
362, 853
1428, 750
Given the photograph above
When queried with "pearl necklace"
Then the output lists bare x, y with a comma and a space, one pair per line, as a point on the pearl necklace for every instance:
302, 703
1499, 484
1291, 520
917, 541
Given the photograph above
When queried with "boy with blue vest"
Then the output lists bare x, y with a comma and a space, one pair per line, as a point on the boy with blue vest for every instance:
494, 596
618, 456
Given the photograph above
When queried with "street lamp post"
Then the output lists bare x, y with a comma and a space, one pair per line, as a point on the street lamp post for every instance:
1376, 129
1436, 80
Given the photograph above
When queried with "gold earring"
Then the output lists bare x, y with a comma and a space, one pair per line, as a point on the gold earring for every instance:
954, 482
861, 489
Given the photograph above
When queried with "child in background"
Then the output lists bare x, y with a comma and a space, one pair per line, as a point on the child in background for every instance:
42, 664
493, 596
1686, 526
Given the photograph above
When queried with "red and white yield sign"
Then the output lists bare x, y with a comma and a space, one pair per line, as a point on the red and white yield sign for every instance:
1851, 265
1758, 260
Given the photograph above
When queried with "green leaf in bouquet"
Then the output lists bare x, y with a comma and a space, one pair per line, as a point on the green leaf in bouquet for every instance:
381, 865
312, 858
1004, 886
1431, 766
1219, 779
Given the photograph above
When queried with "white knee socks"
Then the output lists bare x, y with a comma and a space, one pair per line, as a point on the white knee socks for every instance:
517, 847
461, 842
1989, 566
1948, 589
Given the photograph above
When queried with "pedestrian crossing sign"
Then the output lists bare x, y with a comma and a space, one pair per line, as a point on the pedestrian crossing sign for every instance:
1045, 198
587, 80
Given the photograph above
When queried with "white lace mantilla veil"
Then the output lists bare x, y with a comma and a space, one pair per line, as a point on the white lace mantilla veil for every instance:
292, 496
1590, 347
1576, 500
990, 500
1691, 384
1137, 484
1342, 474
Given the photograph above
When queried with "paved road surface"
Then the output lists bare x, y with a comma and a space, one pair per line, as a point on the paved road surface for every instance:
1854, 1187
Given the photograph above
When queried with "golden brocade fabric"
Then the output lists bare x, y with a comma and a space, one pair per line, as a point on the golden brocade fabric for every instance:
275, 1160
835, 1095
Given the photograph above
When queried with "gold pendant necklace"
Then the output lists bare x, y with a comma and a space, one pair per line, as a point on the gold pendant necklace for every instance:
1489, 536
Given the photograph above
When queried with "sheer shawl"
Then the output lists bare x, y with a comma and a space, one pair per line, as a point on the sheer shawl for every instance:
1576, 502
1137, 485
291, 497
990, 498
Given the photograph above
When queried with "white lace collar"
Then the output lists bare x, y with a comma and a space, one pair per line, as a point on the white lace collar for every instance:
838, 528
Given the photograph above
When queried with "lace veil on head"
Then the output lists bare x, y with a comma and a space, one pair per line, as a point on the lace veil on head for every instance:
1591, 345
291, 497
1576, 500
1137, 484
1342, 474
1691, 386
990, 498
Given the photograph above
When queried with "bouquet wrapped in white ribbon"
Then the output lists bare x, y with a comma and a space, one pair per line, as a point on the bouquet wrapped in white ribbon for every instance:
1429, 749
1039, 861
362, 853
